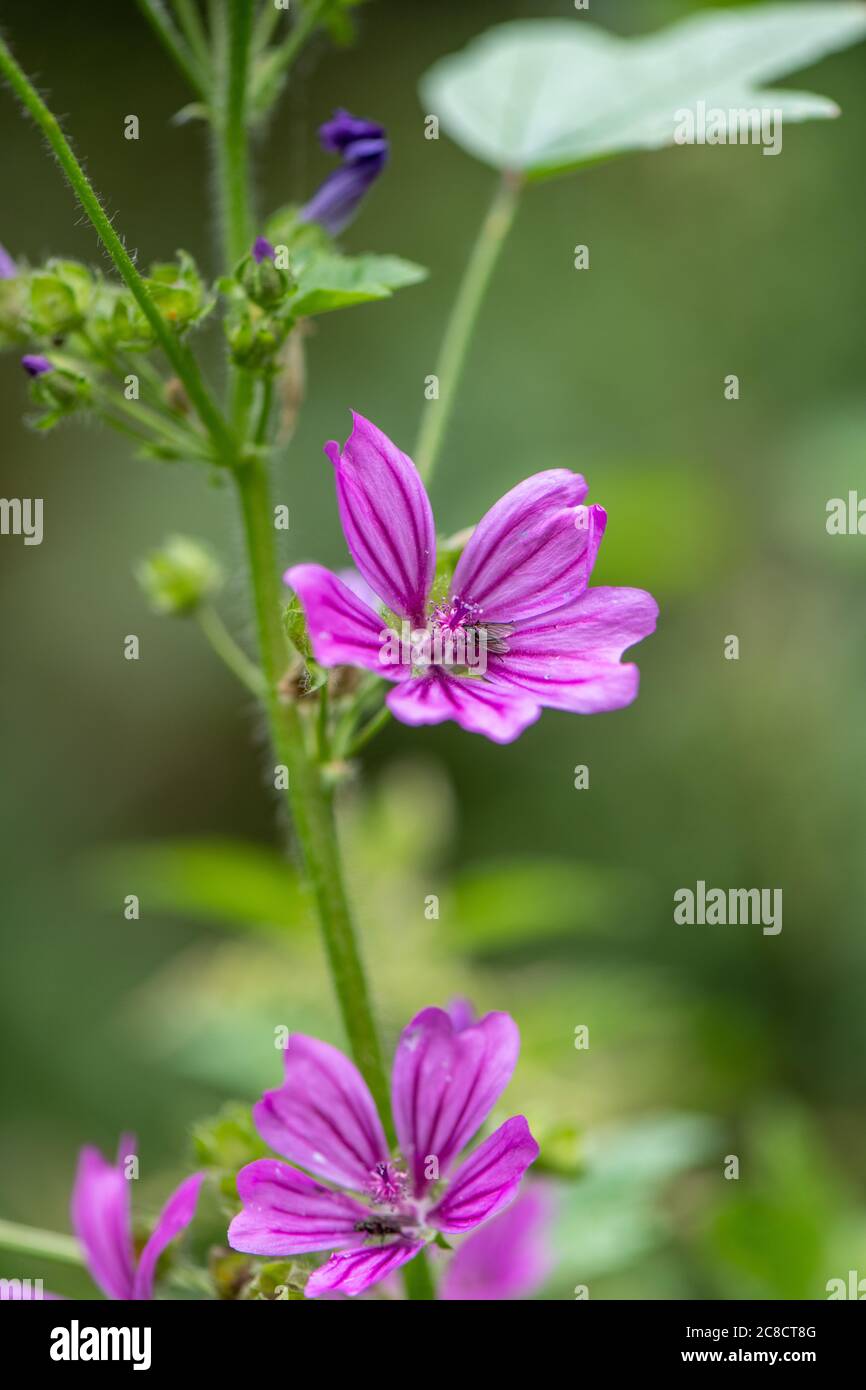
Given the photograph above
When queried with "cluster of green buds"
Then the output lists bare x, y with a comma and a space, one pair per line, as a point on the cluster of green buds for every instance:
260, 317
87, 339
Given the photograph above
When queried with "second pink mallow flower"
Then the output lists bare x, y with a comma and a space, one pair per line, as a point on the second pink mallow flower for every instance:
377, 1211
519, 593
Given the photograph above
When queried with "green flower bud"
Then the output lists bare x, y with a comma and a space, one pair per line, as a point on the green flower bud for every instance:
255, 337
180, 577
59, 390
59, 298
179, 292
263, 282
13, 300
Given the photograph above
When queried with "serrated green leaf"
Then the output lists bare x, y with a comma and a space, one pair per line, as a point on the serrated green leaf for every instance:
545, 96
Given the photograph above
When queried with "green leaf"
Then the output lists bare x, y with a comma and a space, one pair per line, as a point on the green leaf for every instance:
545, 96
504, 903
330, 281
215, 880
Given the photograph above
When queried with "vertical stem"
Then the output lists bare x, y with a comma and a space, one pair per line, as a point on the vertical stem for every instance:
418, 1280
461, 323
309, 800
232, 142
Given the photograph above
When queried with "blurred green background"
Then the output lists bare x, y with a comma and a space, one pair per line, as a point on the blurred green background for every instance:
555, 904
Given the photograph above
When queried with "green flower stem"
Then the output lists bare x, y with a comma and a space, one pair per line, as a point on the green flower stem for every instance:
462, 321
232, 161
282, 57
266, 22
175, 436
309, 799
194, 31
418, 1280
266, 401
161, 23
232, 144
28, 1240
229, 652
181, 359
369, 731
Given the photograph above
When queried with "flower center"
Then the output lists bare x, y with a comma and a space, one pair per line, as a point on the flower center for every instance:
387, 1185
458, 638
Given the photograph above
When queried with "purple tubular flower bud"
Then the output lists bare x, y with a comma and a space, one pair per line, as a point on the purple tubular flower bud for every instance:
363, 147
8, 268
35, 365
263, 250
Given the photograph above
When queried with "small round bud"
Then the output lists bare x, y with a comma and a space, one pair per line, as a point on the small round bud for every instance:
178, 578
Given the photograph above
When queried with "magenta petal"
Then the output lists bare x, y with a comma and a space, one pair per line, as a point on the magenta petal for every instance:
102, 1221
581, 687
488, 1180
509, 1257
386, 518
600, 626
532, 551
445, 1083
355, 1271
287, 1213
476, 705
569, 658
343, 630
174, 1218
323, 1117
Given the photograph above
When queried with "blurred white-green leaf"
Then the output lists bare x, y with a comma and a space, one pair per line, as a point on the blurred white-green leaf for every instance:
545, 96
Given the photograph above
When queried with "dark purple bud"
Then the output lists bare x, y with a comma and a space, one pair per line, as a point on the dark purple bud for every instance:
363, 146
35, 365
262, 250
8, 268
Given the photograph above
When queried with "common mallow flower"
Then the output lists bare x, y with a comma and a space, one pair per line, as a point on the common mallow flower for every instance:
518, 595
363, 148
8, 268
35, 365
375, 1209
102, 1221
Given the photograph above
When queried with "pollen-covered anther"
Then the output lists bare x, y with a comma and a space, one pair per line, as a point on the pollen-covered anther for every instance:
387, 1185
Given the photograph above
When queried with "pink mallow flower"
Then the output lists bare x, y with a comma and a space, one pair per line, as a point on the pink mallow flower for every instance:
518, 595
102, 1221
377, 1210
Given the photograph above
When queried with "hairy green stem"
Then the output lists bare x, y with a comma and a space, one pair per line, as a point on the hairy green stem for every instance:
232, 162
28, 1240
194, 31
232, 144
178, 355
280, 59
162, 25
309, 799
229, 652
462, 321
